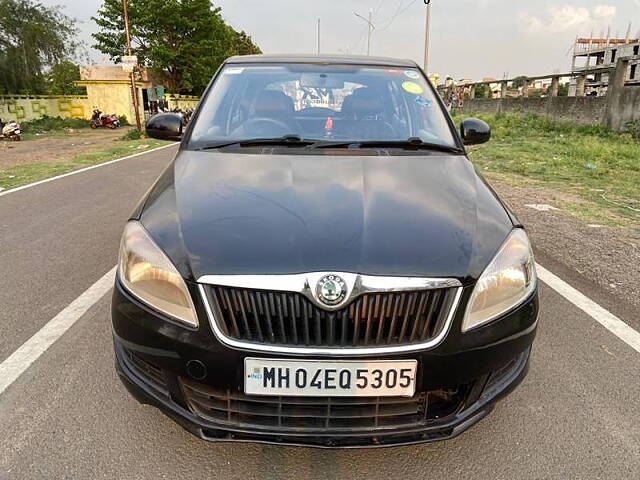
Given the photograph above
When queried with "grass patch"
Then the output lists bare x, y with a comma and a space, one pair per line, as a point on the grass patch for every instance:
21, 174
598, 165
48, 124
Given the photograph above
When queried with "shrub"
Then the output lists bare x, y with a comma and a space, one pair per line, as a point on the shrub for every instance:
46, 124
633, 127
133, 134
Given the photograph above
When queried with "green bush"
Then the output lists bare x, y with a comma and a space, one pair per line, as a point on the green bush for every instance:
123, 120
46, 124
133, 134
633, 127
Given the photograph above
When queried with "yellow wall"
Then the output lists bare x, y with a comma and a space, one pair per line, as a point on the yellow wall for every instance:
108, 96
23, 108
112, 98
181, 101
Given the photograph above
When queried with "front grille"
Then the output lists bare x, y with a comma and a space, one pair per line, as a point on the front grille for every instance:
374, 319
328, 414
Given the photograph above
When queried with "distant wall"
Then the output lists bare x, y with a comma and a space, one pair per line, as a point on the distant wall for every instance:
182, 102
583, 110
624, 107
24, 108
109, 97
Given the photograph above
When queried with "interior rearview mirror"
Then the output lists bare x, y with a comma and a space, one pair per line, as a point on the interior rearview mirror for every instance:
320, 80
474, 131
165, 126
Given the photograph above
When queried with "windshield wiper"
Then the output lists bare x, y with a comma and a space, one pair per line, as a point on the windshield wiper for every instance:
287, 140
413, 143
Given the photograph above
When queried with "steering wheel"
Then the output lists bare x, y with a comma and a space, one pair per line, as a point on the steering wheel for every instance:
266, 126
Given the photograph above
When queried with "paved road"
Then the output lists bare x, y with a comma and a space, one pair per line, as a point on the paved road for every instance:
575, 416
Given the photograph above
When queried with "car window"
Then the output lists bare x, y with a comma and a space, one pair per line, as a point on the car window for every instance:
337, 102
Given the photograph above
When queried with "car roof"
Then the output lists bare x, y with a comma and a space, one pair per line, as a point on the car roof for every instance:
324, 59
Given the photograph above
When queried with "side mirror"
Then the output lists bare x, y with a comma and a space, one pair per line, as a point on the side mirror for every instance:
165, 126
474, 131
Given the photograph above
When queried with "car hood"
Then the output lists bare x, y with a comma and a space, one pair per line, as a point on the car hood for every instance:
412, 215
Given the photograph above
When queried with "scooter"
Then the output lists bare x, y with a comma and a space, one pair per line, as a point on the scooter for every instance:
104, 121
10, 131
187, 115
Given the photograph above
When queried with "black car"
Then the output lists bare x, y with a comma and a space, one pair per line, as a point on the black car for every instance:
321, 264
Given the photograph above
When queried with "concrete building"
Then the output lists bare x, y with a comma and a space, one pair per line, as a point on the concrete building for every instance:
591, 54
109, 89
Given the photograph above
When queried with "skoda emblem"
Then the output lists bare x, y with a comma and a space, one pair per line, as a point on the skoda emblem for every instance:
331, 289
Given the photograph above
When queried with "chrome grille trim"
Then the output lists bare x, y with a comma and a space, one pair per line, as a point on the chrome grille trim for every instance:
304, 283
357, 285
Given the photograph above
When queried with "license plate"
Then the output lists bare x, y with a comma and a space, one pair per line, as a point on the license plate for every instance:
336, 378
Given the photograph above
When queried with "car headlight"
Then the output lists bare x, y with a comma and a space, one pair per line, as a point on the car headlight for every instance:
150, 276
506, 282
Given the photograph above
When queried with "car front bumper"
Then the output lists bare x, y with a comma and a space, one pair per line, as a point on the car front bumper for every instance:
466, 375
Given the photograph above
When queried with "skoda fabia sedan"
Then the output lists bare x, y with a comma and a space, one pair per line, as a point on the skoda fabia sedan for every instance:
321, 264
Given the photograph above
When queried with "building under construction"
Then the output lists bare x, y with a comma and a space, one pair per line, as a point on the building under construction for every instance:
595, 57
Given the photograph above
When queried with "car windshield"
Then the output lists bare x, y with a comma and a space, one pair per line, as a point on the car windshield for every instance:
337, 103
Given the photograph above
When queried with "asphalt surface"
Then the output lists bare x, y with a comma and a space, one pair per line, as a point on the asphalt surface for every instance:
576, 415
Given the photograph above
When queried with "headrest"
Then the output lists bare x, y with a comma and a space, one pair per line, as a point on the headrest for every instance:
270, 102
362, 102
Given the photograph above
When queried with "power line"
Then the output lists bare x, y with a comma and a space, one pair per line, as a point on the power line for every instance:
377, 8
391, 18
354, 45
397, 14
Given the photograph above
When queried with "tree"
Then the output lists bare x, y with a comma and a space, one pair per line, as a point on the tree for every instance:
242, 44
563, 90
519, 82
61, 77
482, 91
182, 41
33, 38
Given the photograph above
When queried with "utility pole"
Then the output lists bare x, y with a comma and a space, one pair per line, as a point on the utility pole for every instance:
426, 37
369, 36
318, 36
371, 27
134, 92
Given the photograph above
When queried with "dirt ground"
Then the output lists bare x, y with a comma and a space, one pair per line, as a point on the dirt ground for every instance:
58, 147
608, 256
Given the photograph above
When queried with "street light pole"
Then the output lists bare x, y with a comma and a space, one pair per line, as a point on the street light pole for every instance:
134, 92
371, 27
426, 37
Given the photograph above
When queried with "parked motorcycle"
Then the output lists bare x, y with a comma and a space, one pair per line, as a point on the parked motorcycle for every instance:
104, 121
185, 114
10, 131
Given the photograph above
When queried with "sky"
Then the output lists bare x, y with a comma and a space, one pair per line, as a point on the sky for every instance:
469, 38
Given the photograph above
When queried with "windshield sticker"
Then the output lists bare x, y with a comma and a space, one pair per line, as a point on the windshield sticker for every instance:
412, 74
391, 70
412, 87
233, 70
423, 102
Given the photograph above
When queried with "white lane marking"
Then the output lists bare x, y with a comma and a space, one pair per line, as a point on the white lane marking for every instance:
605, 318
16, 364
86, 169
